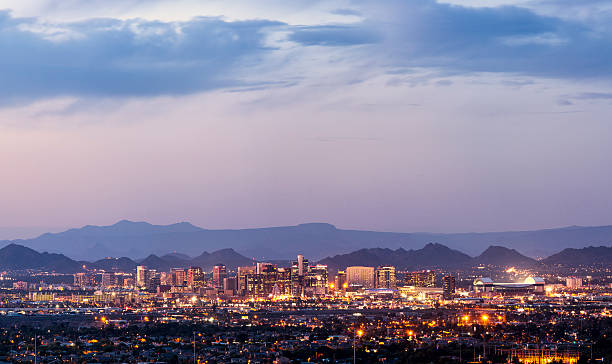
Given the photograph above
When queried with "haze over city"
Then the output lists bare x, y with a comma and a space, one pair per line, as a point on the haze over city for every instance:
447, 116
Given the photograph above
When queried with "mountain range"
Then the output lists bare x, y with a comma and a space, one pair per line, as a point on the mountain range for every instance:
17, 257
430, 256
316, 240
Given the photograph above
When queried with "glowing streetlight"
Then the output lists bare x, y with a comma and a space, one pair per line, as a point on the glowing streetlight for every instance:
485, 318
355, 334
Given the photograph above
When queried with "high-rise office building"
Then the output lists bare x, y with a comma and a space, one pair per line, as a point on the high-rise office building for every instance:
179, 276
340, 281
299, 271
425, 278
448, 286
360, 276
243, 278
219, 273
573, 282
230, 286
283, 282
195, 277
152, 280
316, 284
109, 280
385, 278
141, 276
84, 280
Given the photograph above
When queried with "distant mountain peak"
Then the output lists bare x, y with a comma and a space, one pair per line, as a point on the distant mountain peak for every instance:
319, 226
430, 246
584, 256
502, 256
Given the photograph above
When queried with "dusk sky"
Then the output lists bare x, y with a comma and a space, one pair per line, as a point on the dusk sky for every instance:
410, 115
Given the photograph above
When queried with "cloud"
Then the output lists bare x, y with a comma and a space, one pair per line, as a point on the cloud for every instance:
458, 39
117, 58
109, 57
594, 96
334, 35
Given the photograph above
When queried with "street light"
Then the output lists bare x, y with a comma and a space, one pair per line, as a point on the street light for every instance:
355, 334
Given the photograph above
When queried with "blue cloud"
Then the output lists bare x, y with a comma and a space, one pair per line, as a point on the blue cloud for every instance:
110, 57
456, 39
503, 39
334, 35
107, 57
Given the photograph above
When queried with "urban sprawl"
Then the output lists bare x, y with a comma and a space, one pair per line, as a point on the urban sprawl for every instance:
266, 313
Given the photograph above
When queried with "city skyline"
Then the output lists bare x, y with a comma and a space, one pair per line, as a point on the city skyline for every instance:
391, 116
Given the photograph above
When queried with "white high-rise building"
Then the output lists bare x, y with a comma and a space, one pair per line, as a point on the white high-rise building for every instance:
573, 282
141, 276
363, 276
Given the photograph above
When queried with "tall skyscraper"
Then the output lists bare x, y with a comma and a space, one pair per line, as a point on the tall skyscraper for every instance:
230, 286
84, 280
385, 278
152, 280
299, 269
317, 280
219, 273
448, 286
109, 280
361, 276
244, 273
340, 281
141, 276
179, 276
195, 277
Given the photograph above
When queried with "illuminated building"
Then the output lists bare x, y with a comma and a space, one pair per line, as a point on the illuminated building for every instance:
152, 280
340, 281
425, 278
268, 275
23, 286
179, 276
448, 286
230, 285
219, 273
531, 285
243, 273
573, 282
542, 356
360, 276
109, 280
317, 280
84, 280
165, 278
283, 282
128, 282
141, 276
195, 277
385, 278
299, 269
